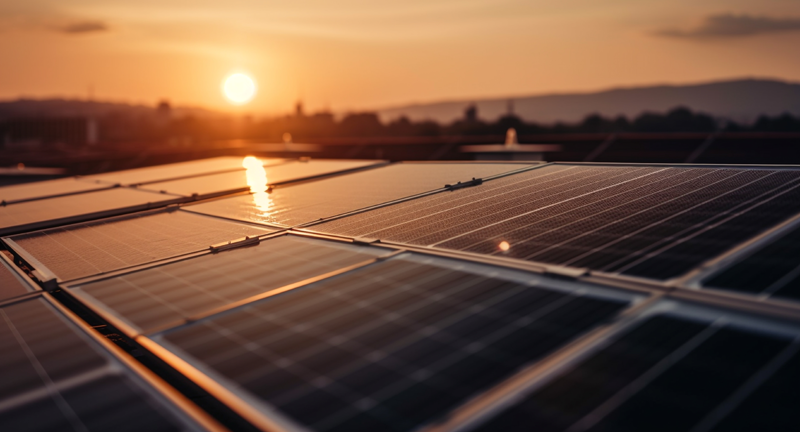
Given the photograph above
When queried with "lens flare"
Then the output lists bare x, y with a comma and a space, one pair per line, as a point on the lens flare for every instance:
239, 88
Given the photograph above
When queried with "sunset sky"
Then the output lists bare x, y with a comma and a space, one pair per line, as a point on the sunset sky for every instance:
363, 54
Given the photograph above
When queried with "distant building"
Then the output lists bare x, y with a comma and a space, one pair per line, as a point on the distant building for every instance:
21, 133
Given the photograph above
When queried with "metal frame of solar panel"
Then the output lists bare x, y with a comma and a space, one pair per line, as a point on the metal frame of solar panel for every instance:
59, 374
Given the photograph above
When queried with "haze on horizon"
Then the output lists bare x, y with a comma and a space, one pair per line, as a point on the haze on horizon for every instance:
359, 54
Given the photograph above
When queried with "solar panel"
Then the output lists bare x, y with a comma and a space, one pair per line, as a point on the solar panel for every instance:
391, 346
237, 181
648, 221
771, 270
54, 379
77, 251
173, 171
308, 202
162, 295
667, 373
44, 189
11, 284
39, 214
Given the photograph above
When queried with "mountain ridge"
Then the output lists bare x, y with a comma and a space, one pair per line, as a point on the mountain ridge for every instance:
740, 100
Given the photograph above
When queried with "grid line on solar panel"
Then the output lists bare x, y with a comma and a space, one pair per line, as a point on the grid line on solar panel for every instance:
92, 248
311, 201
667, 373
600, 217
230, 182
49, 212
54, 379
161, 295
389, 346
772, 269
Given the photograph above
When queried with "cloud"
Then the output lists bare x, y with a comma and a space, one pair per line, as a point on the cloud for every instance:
733, 26
83, 27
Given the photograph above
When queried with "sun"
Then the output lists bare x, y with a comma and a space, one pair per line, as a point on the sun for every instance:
239, 88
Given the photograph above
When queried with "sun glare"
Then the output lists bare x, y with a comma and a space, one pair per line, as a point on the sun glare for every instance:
239, 88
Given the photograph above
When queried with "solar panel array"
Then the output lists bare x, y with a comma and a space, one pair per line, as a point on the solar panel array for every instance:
315, 200
656, 222
45, 189
360, 295
54, 378
237, 181
772, 270
158, 173
669, 373
92, 248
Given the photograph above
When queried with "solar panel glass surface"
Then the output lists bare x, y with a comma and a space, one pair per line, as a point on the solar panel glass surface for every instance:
656, 222
54, 380
308, 202
92, 248
35, 190
391, 346
11, 285
216, 184
172, 171
773, 269
49, 212
669, 373
165, 294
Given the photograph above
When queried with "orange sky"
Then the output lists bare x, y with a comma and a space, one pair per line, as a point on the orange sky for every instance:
362, 54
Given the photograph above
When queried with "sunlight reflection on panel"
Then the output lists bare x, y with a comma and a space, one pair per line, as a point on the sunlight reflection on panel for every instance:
257, 181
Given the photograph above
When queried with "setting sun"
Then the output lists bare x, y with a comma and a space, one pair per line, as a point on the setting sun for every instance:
239, 88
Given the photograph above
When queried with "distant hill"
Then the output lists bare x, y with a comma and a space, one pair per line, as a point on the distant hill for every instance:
740, 100
85, 108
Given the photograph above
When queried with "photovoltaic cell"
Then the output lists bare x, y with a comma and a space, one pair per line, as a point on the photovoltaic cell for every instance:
92, 248
55, 380
308, 202
165, 294
236, 181
173, 171
771, 270
43, 189
667, 374
11, 285
656, 222
27, 216
391, 346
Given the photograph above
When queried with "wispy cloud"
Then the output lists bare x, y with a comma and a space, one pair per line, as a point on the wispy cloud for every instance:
83, 27
734, 26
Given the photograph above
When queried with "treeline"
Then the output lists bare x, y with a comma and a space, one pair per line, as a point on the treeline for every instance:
676, 120
188, 130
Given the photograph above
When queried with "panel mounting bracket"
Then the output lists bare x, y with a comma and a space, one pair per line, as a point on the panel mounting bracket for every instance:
233, 244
